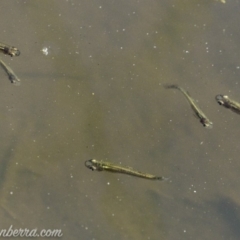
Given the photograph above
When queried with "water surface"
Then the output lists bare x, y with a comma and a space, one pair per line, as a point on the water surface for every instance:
99, 94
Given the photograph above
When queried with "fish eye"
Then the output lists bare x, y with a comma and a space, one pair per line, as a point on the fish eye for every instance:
88, 164
220, 102
219, 97
91, 164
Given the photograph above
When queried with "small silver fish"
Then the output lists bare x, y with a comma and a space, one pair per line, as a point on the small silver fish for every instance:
198, 112
9, 50
11, 75
228, 103
93, 164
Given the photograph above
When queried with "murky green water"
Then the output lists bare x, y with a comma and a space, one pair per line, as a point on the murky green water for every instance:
99, 94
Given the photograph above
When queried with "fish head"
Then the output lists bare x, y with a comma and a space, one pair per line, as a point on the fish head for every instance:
14, 52
206, 123
90, 164
221, 99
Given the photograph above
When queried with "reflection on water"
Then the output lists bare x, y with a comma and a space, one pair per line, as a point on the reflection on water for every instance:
99, 94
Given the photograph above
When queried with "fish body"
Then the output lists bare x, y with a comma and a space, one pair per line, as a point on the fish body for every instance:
198, 112
11, 75
9, 50
228, 103
93, 164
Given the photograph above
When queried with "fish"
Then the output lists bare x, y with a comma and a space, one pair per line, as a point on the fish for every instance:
228, 103
9, 50
11, 75
198, 112
96, 165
